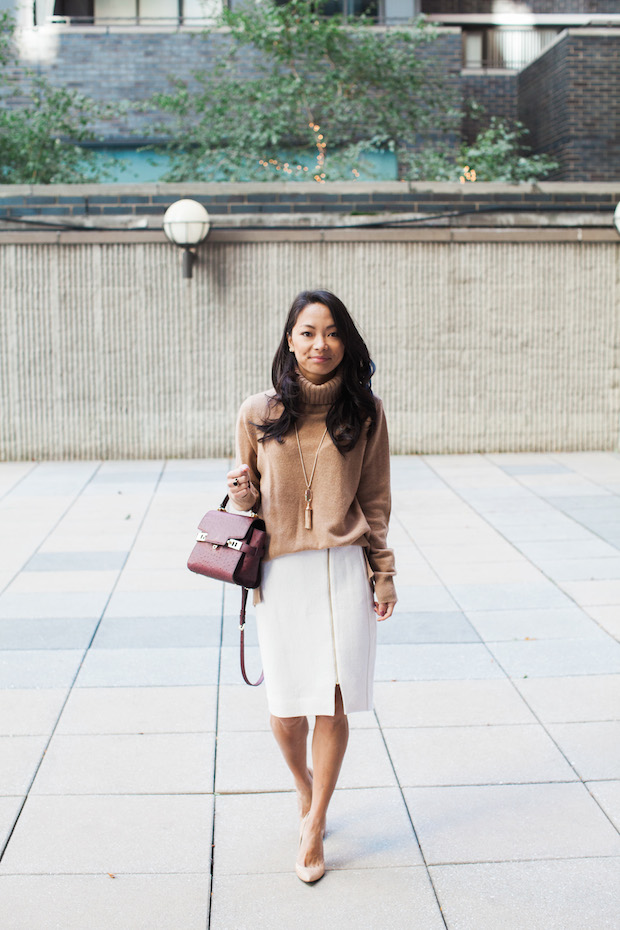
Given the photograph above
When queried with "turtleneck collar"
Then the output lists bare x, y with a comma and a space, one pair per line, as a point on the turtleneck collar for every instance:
319, 395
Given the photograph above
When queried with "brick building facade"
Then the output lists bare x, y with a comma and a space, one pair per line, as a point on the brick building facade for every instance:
570, 100
553, 64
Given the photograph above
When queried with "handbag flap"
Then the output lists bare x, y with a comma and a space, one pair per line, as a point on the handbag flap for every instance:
221, 525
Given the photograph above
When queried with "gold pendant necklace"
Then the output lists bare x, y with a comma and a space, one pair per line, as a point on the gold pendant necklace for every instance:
308, 492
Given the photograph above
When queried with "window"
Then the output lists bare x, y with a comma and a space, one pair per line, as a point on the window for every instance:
504, 47
148, 12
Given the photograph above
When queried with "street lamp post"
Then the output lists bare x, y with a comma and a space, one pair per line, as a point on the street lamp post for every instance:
617, 218
186, 224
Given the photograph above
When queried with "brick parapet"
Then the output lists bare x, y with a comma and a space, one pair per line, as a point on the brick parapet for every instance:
82, 202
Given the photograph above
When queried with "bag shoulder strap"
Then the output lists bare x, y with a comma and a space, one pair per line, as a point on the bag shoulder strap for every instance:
253, 684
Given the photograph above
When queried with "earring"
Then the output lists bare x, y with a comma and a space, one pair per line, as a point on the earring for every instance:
291, 350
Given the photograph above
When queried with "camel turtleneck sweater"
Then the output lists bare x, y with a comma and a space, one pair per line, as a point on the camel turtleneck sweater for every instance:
350, 493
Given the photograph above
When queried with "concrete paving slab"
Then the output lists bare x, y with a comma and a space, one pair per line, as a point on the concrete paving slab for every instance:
106, 668
52, 605
29, 712
535, 469
106, 902
242, 709
425, 598
58, 633
607, 793
9, 809
151, 681
174, 577
230, 629
558, 657
165, 603
543, 895
449, 554
366, 764
593, 748
230, 665
157, 632
426, 627
608, 619
136, 763
64, 582
76, 561
39, 668
606, 593
582, 570
521, 528
88, 834
589, 548
563, 700
543, 595
347, 899
508, 625
367, 829
495, 823
20, 756
62, 540
477, 573
449, 704
480, 755
428, 661
139, 710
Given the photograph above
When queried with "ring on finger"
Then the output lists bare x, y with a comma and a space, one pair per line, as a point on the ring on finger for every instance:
236, 482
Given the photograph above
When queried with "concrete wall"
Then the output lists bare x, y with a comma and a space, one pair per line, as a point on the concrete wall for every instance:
485, 340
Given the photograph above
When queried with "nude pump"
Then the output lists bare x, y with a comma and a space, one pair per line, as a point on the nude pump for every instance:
307, 873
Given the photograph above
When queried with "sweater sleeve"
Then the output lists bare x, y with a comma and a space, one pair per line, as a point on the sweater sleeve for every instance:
247, 445
374, 497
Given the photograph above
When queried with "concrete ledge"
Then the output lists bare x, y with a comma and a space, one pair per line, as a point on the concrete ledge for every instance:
354, 234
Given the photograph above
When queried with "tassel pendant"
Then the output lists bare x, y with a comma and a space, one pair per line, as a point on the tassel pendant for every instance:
308, 513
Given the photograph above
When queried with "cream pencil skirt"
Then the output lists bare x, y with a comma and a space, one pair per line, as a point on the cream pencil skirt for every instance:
317, 629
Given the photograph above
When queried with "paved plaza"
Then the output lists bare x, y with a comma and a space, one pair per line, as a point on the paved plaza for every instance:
140, 786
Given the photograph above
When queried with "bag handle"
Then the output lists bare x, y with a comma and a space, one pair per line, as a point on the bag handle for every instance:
244, 598
223, 505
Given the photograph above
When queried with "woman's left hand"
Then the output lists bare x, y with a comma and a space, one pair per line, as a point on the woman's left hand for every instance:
383, 611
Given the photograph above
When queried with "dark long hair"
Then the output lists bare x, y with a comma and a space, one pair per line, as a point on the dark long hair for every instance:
355, 405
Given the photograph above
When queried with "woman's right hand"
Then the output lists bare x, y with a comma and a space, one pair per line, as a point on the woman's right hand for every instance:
240, 489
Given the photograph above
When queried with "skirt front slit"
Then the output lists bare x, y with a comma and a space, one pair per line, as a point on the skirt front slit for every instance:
316, 630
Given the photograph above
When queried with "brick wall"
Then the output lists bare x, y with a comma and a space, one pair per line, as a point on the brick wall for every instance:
569, 98
110, 66
513, 6
496, 92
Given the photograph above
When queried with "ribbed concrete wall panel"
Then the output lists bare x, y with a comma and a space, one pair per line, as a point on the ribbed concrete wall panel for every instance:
106, 352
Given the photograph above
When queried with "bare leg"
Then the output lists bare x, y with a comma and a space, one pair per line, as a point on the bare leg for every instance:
329, 743
291, 735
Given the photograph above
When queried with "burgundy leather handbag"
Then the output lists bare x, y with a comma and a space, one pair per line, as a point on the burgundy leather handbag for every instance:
230, 547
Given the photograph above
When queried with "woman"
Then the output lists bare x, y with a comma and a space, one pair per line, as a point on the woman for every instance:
313, 459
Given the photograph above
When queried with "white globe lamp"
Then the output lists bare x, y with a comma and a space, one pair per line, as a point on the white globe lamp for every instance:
186, 223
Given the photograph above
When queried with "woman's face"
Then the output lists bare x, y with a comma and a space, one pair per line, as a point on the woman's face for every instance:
316, 343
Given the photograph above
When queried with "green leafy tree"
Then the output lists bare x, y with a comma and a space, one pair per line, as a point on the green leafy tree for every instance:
40, 138
294, 81
498, 153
